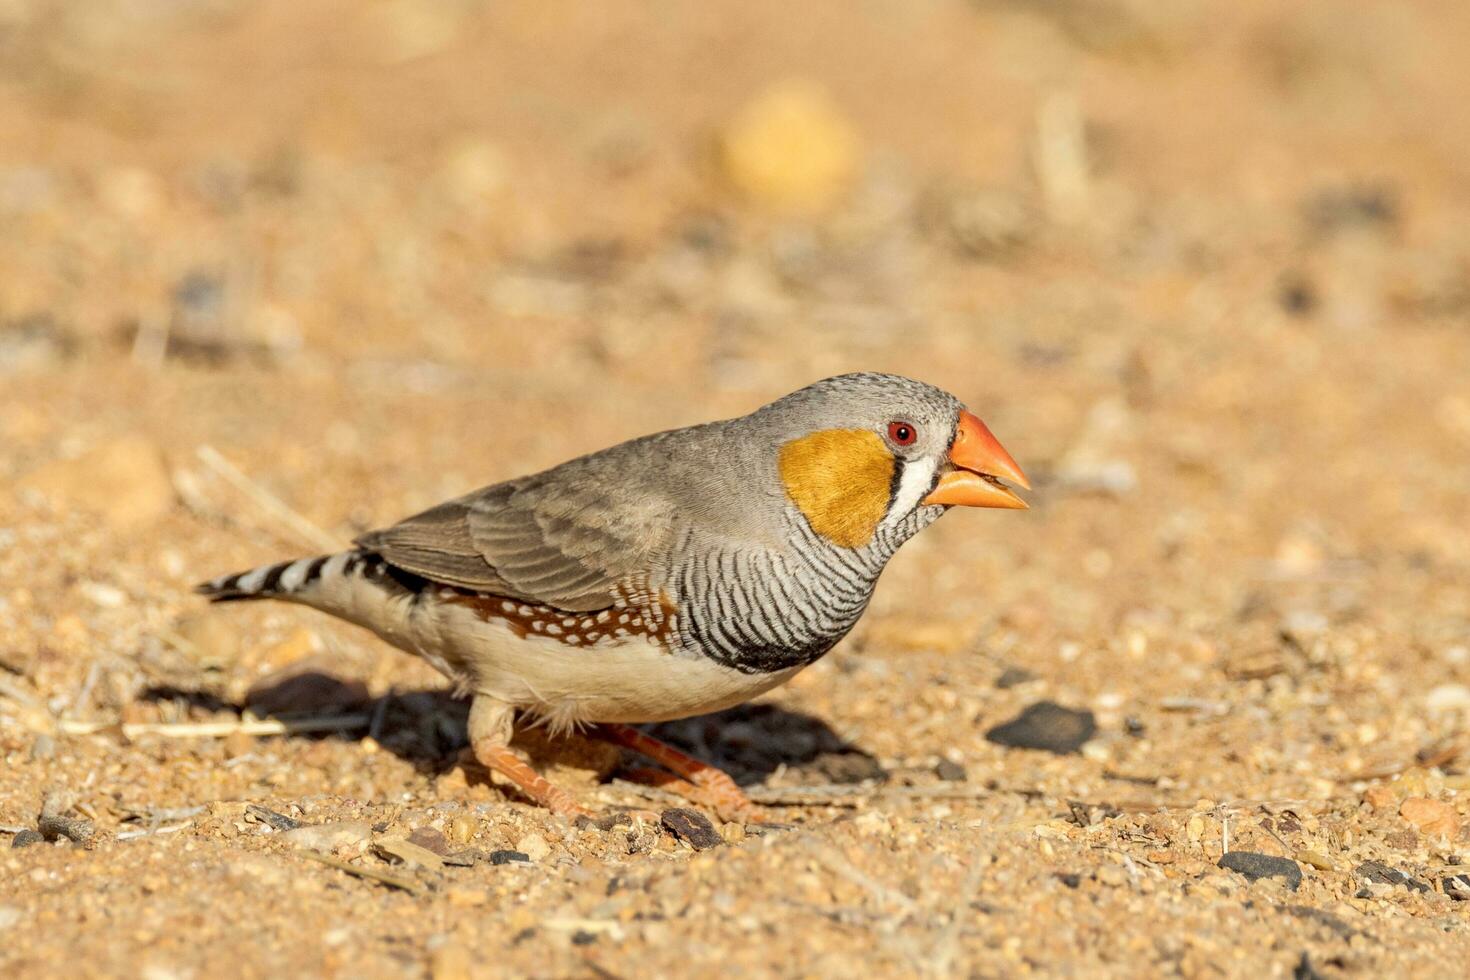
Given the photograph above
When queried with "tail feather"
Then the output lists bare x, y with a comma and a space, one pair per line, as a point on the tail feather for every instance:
282, 580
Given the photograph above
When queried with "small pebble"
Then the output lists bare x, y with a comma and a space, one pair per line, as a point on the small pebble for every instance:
692, 827
328, 837
1319, 861
534, 847
9, 916
276, 821
950, 772
1384, 874
1380, 797
509, 857
26, 838
430, 840
1013, 677
462, 829
1253, 867
1457, 887
1047, 726
1430, 816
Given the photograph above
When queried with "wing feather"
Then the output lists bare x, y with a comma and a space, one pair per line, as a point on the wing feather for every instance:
556, 538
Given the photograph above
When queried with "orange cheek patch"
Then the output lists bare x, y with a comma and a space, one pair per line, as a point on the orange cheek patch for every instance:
840, 480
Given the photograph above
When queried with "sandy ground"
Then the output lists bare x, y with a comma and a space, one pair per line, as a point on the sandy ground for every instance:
1205, 270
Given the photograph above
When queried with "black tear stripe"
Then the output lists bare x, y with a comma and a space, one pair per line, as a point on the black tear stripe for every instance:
894, 482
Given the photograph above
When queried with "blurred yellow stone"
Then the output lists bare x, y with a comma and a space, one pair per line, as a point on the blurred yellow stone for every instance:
466, 898
790, 148
462, 829
300, 644
1432, 817
451, 962
1317, 860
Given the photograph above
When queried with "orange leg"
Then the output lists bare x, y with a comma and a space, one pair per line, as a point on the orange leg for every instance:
705, 784
490, 728
536, 786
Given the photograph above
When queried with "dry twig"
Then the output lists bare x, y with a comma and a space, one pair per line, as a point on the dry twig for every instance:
384, 877
267, 501
218, 729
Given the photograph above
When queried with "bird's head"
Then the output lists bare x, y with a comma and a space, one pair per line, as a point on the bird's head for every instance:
859, 451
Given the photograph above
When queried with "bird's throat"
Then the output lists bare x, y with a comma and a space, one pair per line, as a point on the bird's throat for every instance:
842, 482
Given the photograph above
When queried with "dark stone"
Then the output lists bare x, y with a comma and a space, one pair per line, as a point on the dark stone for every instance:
1013, 677
272, 819
615, 818
1254, 867
1047, 726
692, 827
508, 857
1383, 874
583, 938
464, 859
430, 840
26, 838
950, 772
1455, 886
1069, 878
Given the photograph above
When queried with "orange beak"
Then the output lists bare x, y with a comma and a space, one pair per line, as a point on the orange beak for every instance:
980, 462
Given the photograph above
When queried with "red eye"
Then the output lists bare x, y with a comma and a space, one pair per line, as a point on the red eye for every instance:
901, 433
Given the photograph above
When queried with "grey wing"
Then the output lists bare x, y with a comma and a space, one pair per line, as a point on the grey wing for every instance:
557, 540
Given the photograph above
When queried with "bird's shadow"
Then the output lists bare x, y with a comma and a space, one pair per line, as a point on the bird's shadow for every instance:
426, 727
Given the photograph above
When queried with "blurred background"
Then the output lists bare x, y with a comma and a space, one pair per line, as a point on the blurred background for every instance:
273, 273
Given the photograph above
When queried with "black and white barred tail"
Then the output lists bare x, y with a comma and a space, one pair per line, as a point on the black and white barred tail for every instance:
288, 579
266, 582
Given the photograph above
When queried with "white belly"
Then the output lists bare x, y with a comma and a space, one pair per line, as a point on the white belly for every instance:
627, 680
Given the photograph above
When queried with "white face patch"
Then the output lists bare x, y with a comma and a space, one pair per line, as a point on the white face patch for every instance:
913, 485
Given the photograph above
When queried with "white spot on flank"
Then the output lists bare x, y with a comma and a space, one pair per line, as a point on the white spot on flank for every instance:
553, 629
509, 607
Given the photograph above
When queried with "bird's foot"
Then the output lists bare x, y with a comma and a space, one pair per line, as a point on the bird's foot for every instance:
733, 807
699, 781
498, 757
